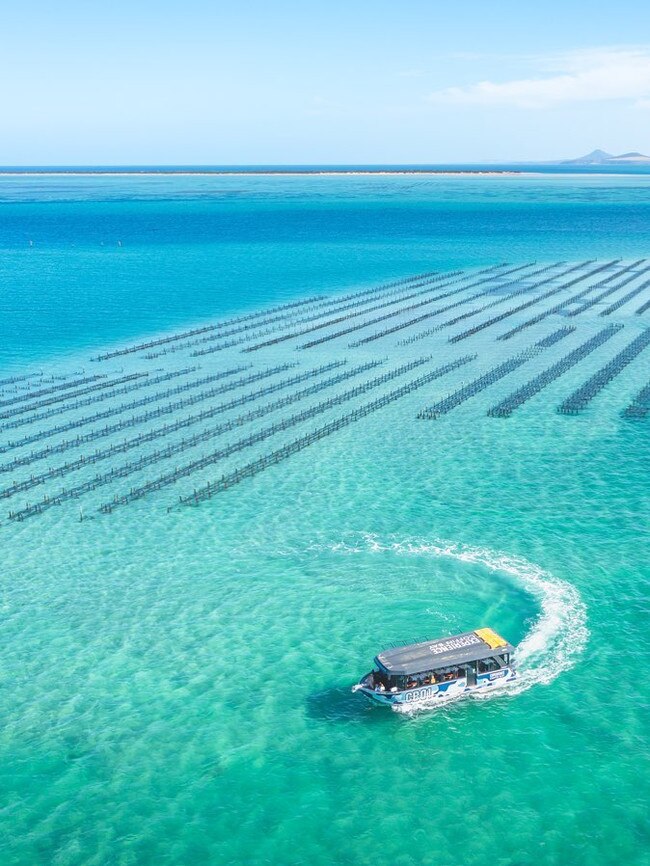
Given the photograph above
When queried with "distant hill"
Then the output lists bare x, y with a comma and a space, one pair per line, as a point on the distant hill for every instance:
601, 157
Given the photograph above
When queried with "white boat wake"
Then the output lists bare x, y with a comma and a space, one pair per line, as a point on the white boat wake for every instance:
557, 636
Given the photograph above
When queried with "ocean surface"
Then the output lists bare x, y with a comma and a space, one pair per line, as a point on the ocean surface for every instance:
176, 679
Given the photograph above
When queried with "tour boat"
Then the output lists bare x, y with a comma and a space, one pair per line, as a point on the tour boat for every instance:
436, 671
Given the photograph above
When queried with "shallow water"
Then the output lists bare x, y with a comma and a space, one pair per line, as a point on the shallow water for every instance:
176, 682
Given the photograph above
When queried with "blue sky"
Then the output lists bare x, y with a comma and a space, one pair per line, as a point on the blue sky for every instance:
330, 82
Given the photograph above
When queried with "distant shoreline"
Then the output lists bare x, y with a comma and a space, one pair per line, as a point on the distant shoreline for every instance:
266, 173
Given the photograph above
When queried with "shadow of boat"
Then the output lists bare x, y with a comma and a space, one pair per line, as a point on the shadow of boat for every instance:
340, 705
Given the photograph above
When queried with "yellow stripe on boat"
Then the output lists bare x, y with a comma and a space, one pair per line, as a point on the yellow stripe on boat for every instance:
490, 637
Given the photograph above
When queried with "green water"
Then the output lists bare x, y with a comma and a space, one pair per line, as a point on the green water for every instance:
176, 684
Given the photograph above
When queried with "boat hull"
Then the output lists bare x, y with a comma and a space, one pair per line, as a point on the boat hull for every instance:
430, 695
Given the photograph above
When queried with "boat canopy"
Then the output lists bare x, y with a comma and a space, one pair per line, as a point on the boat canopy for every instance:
431, 655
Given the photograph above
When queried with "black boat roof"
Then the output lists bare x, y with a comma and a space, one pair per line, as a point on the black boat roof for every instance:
430, 655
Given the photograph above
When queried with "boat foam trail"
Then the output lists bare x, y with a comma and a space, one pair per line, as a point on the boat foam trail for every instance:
557, 636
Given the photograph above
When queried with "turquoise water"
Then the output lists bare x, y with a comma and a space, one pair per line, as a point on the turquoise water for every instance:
175, 679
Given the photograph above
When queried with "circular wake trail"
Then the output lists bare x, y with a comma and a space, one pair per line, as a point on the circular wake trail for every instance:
557, 636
